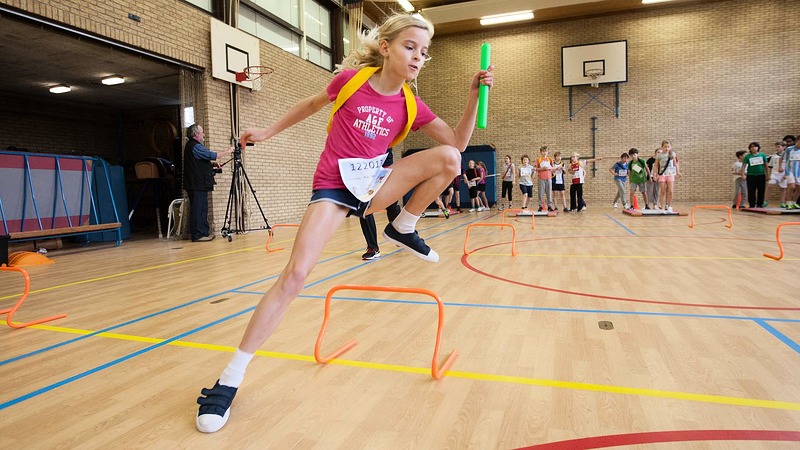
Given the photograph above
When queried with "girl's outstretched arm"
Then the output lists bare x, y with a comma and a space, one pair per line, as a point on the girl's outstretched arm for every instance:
296, 114
459, 136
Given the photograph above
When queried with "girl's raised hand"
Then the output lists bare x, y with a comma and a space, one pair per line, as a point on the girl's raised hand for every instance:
253, 135
483, 77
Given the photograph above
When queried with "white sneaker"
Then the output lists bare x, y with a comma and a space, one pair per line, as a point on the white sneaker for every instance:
616, 205
628, 207
582, 209
669, 209
480, 208
472, 210
657, 207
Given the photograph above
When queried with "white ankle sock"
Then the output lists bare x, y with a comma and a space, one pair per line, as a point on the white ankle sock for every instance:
234, 373
405, 222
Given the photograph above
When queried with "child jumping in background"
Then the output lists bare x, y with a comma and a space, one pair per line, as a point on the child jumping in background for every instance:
638, 175
544, 167
620, 172
558, 181
526, 180
739, 185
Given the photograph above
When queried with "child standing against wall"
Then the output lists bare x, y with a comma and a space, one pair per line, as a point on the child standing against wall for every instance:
739, 185
544, 167
578, 172
754, 172
620, 172
638, 175
509, 176
526, 180
558, 181
776, 176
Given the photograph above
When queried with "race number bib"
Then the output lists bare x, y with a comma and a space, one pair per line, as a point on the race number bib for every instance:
364, 177
622, 173
637, 169
794, 156
757, 161
544, 164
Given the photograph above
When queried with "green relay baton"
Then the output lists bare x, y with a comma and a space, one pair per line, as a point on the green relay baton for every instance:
483, 90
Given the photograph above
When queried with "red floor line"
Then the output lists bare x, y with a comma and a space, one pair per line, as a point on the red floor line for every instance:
465, 262
654, 437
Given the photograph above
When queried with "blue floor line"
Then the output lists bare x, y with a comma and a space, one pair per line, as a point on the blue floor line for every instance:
782, 337
620, 224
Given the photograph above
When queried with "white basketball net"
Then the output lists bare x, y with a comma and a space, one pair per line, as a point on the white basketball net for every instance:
258, 75
594, 74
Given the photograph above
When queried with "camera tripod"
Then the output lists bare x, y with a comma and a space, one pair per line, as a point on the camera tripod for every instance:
234, 194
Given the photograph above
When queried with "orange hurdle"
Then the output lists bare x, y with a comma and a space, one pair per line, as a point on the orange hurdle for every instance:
778, 238
272, 231
10, 312
517, 210
513, 235
436, 371
730, 218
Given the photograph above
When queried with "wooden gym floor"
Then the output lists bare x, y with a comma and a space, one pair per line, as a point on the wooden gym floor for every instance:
706, 337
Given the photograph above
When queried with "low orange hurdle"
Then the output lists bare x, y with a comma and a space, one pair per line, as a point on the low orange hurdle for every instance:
10, 312
513, 235
437, 372
518, 210
272, 232
778, 238
728, 208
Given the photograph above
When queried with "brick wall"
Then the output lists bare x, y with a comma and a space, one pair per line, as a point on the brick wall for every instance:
710, 78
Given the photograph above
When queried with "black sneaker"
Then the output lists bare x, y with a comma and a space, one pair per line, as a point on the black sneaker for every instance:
566, 210
411, 242
215, 407
372, 253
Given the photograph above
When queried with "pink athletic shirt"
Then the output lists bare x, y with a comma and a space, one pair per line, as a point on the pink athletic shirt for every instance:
363, 127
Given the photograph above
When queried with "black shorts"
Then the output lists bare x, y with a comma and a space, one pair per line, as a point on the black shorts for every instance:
473, 191
558, 187
341, 197
482, 187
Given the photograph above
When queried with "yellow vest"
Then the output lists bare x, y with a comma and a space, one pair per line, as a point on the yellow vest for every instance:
356, 82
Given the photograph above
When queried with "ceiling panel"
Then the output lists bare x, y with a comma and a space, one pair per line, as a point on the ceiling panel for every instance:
34, 58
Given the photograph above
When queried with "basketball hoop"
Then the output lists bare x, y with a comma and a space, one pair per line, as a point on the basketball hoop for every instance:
594, 74
255, 74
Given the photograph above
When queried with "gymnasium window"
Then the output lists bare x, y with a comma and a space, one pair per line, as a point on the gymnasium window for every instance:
207, 5
300, 27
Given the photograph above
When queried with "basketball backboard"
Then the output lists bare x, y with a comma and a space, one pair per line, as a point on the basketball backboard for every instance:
231, 51
608, 58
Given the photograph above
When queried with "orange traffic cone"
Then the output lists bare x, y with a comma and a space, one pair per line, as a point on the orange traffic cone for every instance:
738, 201
635, 202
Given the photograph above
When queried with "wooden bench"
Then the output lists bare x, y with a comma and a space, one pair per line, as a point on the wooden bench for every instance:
34, 235
60, 232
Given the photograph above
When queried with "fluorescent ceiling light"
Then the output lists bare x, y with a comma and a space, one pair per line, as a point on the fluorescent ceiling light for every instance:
112, 80
507, 17
654, 1
60, 89
406, 5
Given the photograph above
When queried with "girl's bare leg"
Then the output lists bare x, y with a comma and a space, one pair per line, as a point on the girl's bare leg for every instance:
319, 223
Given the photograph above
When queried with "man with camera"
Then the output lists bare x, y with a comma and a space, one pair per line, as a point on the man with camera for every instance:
198, 173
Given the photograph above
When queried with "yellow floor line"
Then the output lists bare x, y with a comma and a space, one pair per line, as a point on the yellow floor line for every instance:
704, 398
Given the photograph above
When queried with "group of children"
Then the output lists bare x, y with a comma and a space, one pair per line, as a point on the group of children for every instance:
753, 173
552, 176
652, 178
